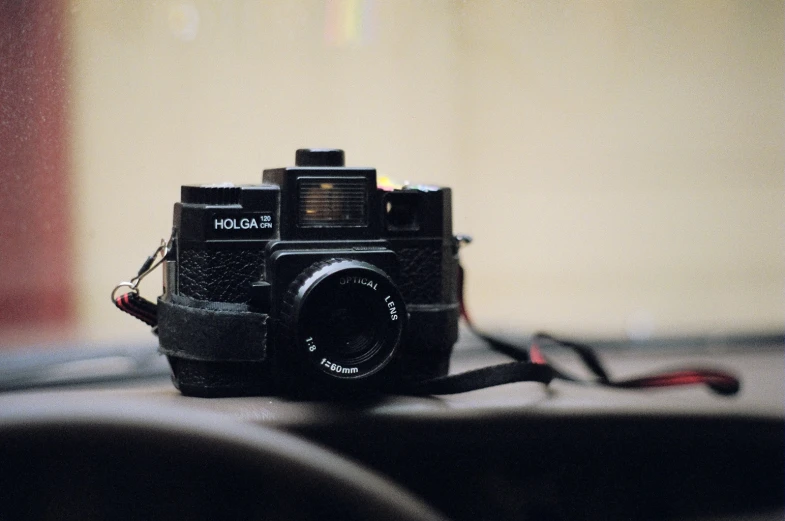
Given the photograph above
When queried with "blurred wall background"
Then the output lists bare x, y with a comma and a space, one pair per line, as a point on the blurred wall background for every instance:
36, 269
619, 164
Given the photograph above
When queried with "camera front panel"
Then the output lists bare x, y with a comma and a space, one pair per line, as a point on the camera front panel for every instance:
338, 316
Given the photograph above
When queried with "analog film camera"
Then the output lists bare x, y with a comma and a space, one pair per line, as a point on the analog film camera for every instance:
315, 281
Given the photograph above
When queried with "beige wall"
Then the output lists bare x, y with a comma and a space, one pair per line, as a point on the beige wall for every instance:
619, 164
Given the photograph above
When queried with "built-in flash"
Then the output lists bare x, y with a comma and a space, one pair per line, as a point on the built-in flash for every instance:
333, 203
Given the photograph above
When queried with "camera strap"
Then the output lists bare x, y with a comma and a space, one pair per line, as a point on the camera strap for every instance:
138, 307
720, 382
211, 331
132, 302
529, 362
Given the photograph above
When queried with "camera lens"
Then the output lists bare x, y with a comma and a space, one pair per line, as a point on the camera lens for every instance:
347, 317
351, 325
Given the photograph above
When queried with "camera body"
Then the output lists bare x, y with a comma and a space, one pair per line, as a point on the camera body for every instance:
314, 282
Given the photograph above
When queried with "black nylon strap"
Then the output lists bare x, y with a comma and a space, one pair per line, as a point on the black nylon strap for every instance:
484, 377
138, 307
211, 331
225, 332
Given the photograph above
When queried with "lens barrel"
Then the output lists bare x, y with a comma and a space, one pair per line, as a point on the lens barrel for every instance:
346, 317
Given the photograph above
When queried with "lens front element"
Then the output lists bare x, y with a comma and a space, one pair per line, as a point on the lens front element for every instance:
347, 317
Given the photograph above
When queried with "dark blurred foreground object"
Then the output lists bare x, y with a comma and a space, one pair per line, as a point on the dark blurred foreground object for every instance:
518, 451
99, 458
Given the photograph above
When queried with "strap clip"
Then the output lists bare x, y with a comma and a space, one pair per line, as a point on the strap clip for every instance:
152, 262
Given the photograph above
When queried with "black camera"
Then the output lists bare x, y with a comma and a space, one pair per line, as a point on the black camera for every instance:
315, 281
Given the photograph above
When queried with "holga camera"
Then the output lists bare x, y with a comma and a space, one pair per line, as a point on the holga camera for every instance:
315, 281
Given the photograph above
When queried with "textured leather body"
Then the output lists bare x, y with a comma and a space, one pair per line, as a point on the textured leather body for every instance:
428, 274
427, 280
219, 275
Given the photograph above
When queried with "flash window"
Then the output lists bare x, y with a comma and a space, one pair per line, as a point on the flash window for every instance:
332, 202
